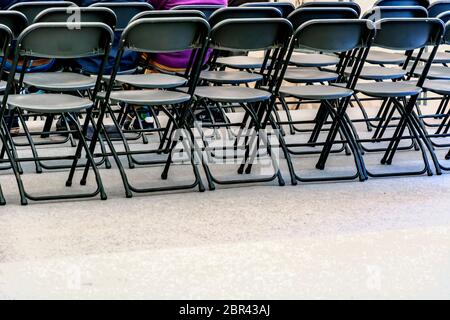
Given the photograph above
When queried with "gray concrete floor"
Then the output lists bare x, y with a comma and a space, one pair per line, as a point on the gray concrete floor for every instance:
384, 238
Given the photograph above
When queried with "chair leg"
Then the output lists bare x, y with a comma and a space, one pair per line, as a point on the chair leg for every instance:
31, 142
91, 160
11, 157
2, 198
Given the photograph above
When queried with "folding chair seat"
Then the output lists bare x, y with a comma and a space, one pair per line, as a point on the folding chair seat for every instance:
239, 35
33, 8
313, 60
232, 94
346, 37
379, 73
51, 103
234, 77
385, 58
405, 34
308, 75
144, 35
241, 62
149, 97
435, 72
316, 92
65, 41
388, 89
151, 80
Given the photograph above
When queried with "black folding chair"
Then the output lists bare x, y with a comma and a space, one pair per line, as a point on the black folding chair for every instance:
268, 35
65, 80
237, 60
150, 35
33, 8
217, 73
405, 34
64, 41
312, 67
350, 38
158, 80
6, 37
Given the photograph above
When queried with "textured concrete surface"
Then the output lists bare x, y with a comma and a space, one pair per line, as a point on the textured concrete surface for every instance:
384, 238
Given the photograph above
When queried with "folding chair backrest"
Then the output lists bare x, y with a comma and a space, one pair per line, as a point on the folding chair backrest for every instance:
333, 4
402, 3
336, 35
243, 13
6, 37
125, 11
444, 17
447, 33
305, 14
285, 8
91, 14
169, 14
438, 7
64, 40
32, 9
165, 34
14, 20
207, 10
378, 13
408, 34
250, 34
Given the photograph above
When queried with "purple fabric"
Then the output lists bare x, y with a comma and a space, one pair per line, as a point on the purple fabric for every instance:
178, 59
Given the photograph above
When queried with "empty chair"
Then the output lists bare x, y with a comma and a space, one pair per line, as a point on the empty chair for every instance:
268, 35
33, 8
334, 4
6, 37
218, 60
285, 8
404, 35
350, 38
56, 40
150, 35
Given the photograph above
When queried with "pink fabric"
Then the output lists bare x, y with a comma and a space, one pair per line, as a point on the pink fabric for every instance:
178, 59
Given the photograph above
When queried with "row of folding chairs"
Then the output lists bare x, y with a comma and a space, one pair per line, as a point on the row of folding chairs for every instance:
337, 45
